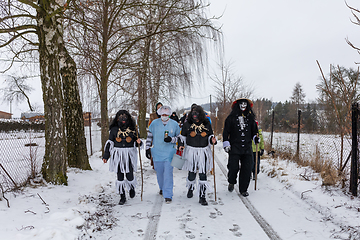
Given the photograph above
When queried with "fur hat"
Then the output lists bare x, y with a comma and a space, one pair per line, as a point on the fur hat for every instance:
164, 110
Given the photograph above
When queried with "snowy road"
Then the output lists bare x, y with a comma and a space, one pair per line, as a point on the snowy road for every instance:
282, 207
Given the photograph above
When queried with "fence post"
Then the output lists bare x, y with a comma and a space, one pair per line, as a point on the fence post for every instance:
91, 150
298, 136
272, 130
354, 151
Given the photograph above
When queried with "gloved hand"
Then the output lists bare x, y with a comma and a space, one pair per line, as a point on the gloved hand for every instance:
148, 153
227, 149
256, 139
261, 152
167, 139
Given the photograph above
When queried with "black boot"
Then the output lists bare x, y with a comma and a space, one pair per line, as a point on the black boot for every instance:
132, 192
122, 199
231, 187
190, 193
202, 199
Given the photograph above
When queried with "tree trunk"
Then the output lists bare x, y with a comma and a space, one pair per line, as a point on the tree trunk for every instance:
75, 134
104, 114
54, 164
142, 86
104, 77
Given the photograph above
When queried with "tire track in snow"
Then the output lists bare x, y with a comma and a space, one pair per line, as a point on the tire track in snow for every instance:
263, 224
154, 218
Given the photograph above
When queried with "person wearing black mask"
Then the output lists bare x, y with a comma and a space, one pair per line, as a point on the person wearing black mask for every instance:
195, 139
121, 152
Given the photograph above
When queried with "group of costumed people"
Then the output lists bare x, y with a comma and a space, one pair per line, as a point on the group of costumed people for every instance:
193, 140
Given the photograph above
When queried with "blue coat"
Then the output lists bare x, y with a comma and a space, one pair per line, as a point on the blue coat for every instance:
161, 150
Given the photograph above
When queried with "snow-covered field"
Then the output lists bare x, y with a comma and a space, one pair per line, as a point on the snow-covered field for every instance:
329, 146
284, 206
16, 158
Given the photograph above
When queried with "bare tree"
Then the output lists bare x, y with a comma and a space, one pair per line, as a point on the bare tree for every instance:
228, 87
28, 26
356, 14
116, 41
337, 93
17, 90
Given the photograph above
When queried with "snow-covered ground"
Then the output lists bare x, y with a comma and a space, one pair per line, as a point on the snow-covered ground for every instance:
284, 206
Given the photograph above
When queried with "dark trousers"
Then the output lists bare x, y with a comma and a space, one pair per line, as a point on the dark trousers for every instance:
202, 176
233, 166
258, 163
129, 175
192, 176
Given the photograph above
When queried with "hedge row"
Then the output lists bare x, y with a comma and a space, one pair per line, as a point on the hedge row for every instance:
20, 125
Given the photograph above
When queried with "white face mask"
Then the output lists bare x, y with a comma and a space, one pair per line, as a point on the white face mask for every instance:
165, 118
243, 106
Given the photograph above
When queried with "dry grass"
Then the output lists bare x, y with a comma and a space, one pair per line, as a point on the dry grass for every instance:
328, 172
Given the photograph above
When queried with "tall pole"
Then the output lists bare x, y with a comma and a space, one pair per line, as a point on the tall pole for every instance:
210, 105
141, 170
216, 110
91, 150
298, 136
272, 129
256, 162
354, 155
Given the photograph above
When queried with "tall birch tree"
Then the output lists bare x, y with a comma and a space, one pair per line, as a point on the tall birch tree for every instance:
28, 26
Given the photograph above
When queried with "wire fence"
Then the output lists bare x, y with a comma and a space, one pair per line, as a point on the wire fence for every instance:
326, 152
22, 152
20, 157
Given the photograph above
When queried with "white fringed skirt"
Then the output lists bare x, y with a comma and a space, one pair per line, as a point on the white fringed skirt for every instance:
198, 158
122, 157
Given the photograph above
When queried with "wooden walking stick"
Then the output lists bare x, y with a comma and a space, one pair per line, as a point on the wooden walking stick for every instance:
141, 170
256, 161
216, 110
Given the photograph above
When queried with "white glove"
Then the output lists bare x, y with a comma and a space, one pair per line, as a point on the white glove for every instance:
227, 149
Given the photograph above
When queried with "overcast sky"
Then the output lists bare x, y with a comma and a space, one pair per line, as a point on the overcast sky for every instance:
273, 45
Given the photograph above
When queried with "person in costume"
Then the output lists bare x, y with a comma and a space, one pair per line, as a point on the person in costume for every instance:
160, 145
195, 139
121, 153
240, 130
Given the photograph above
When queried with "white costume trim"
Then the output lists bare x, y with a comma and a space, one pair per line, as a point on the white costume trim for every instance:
203, 186
195, 159
121, 185
132, 183
190, 184
120, 156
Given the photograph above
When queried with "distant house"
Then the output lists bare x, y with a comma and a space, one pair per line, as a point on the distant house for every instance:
32, 116
5, 115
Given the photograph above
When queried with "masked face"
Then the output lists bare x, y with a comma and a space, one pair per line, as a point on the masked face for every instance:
195, 116
243, 106
122, 120
164, 118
